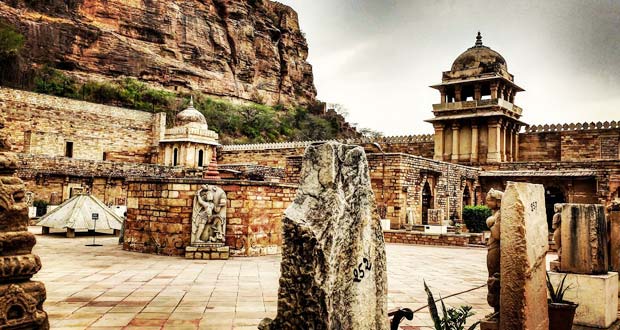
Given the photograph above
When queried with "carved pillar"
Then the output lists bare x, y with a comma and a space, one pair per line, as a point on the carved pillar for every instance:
494, 89
438, 141
455, 142
442, 91
504, 150
501, 91
477, 92
510, 143
494, 139
474, 143
457, 93
21, 300
515, 149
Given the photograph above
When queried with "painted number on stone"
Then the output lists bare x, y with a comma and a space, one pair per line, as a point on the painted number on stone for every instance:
533, 206
358, 274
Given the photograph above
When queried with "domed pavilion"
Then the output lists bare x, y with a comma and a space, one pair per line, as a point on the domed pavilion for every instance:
476, 121
189, 143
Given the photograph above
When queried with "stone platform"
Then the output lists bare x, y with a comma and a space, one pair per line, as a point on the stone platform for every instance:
597, 296
208, 252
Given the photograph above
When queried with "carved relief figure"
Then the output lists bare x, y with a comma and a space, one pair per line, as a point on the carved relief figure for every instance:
209, 215
494, 202
556, 225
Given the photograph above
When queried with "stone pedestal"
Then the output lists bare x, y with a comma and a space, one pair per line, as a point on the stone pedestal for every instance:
597, 296
584, 239
489, 324
523, 247
208, 252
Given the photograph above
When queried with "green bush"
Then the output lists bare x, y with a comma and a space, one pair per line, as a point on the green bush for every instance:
11, 41
475, 218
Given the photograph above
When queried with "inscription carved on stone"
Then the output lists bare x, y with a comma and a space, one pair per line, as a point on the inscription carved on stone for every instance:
209, 216
333, 270
523, 247
21, 300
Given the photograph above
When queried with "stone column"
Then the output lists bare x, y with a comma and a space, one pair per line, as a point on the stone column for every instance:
442, 91
477, 92
474, 143
439, 143
494, 137
455, 143
510, 143
501, 91
516, 142
457, 93
504, 149
494, 89
523, 246
614, 222
21, 300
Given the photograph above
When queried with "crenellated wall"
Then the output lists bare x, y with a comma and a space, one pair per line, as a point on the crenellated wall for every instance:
570, 142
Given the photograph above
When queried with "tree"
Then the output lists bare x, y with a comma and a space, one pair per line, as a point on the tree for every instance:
11, 41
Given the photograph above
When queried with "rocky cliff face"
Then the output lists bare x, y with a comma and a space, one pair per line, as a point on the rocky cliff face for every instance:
247, 49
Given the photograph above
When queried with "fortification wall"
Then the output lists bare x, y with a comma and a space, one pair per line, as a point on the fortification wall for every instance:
42, 124
570, 142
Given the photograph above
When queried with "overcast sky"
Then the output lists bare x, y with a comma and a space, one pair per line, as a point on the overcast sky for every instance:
378, 57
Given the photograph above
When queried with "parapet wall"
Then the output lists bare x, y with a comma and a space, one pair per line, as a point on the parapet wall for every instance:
274, 154
43, 124
570, 142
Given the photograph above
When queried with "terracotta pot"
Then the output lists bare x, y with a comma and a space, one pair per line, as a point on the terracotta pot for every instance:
561, 315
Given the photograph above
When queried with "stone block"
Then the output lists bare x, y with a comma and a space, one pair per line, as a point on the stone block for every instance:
584, 239
523, 247
209, 252
597, 296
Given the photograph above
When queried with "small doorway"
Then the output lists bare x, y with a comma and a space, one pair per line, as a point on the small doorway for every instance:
427, 202
201, 155
175, 157
69, 149
466, 197
553, 195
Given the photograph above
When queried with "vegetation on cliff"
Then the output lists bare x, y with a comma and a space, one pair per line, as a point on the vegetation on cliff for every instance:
236, 123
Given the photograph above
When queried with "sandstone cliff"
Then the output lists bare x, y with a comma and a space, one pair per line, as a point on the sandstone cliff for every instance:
248, 49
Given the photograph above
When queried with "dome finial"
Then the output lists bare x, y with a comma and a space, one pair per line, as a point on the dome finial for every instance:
479, 40
191, 101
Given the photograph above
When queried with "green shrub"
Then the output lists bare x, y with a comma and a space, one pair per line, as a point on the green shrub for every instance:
11, 41
475, 218
453, 319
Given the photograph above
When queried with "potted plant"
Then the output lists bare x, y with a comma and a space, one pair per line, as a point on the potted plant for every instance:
453, 319
561, 312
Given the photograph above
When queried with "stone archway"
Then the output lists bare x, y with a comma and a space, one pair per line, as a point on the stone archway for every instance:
427, 202
553, 195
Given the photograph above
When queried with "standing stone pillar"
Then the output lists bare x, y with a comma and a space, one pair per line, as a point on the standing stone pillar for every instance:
455, 143
333, 269
614, 222
439, 143
524, 245
494, 139
21, 300
474, 144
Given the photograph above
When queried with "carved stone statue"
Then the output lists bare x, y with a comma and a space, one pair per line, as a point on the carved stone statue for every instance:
209, 215
556, 225
494, 202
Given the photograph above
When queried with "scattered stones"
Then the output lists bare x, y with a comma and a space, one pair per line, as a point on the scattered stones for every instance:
333, 273
524, 245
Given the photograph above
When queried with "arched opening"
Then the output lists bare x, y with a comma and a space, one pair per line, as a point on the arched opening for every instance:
201, 155
553, 195
466, 196
175, 157
427, 202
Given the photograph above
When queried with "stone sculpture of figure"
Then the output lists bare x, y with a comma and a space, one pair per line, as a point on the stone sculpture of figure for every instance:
494, 202
209, 215
556, 225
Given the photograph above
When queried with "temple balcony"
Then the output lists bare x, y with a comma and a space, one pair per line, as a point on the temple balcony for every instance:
440, 108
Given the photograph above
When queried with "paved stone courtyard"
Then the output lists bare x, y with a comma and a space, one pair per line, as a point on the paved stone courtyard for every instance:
108, 288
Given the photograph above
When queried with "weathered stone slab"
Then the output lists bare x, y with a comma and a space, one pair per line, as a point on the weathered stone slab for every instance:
584, 239
523, 247
597, 296
614, 222
333, 273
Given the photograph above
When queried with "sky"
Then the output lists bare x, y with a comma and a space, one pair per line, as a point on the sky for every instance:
378, 57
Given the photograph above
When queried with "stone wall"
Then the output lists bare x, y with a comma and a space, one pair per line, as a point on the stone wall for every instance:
570, 142
401, 186
159, 215
408, 237
42, 124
